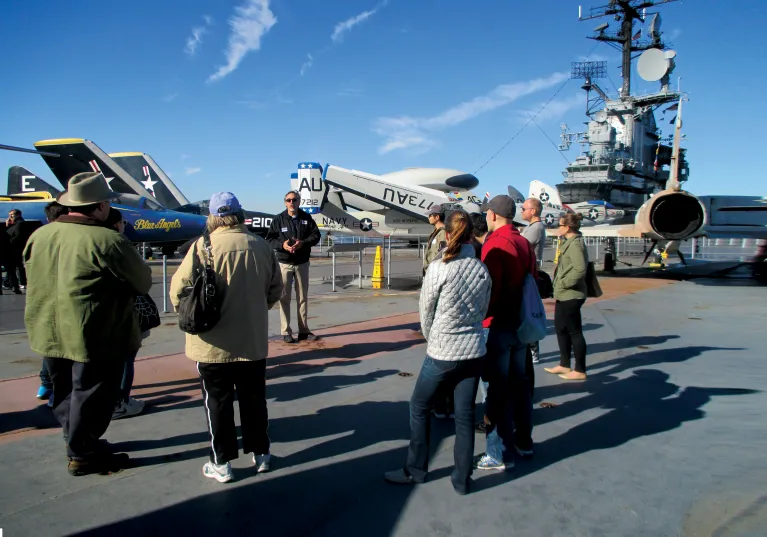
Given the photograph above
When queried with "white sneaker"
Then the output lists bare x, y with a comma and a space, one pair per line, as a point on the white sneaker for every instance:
126, 409
261, 462
220, 472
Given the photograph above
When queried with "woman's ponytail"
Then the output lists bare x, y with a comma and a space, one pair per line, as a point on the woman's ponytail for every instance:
459, 226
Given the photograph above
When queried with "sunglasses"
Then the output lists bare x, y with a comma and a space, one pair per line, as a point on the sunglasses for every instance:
291, 200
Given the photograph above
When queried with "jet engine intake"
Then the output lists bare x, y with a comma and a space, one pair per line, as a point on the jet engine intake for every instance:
672, 215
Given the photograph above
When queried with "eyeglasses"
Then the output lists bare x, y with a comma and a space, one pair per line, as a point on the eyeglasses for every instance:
291, 200
563, 225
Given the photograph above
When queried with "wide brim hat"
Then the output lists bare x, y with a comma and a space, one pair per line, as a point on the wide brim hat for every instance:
86, 189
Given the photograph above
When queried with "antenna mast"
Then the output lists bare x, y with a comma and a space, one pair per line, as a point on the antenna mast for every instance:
625, 11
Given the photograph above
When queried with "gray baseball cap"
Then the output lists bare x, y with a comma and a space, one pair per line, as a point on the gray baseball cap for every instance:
503, 206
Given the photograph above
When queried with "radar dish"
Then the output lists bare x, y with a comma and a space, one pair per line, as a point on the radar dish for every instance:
670, 54
601, 116
652, 64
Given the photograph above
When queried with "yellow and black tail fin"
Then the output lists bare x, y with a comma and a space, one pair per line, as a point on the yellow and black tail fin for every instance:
23, 181
77, 155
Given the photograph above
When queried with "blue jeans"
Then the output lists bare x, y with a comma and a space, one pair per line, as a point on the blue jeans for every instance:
127, 379
437, 376
45, 377
509, 404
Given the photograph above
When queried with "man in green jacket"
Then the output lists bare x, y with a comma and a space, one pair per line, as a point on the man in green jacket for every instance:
82, 282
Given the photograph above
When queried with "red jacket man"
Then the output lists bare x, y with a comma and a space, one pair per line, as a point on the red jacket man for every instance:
508, 257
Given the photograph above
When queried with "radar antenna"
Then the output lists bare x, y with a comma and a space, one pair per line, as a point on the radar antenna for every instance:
626, 12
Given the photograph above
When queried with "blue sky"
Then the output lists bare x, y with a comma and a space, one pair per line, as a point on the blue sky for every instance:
231, 95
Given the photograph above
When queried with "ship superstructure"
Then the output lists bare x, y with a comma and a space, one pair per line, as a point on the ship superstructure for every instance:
623, 154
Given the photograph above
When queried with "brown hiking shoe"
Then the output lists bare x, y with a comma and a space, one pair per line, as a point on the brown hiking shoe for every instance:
105, 465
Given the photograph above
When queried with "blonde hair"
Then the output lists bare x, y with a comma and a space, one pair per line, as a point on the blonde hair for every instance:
215, 222
460, 227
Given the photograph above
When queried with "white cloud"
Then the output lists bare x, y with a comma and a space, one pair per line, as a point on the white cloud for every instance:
253, 105
414, 133
555, 109
250, 22
192, 171
675, 33
170, 97
195, 40
344, 26
184, 156
307, 64
350, 90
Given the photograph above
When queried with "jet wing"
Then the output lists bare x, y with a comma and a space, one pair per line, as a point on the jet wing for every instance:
413, 201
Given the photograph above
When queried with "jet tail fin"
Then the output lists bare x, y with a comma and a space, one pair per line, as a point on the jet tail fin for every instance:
548, 195
77, 155
309, 183
146, 171
23, 181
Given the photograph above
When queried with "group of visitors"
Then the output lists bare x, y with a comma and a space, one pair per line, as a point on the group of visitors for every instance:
85, 277
470, 311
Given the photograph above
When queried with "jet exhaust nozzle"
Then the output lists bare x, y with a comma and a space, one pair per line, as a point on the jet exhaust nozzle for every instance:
672, 215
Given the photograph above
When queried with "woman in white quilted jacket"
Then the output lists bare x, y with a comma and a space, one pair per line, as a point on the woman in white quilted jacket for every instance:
454, 300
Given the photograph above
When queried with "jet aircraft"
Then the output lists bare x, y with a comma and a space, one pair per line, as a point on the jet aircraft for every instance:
148, 221
131, 173
353, 202
594, 212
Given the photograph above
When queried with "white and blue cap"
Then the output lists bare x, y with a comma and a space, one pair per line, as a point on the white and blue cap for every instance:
223, 204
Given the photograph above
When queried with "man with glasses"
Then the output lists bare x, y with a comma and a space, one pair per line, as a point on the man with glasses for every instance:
535, 233
292, 234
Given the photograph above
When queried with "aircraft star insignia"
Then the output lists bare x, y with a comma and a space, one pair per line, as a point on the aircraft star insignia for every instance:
593, 214
149, 184
544, 197
366, 224
549, 219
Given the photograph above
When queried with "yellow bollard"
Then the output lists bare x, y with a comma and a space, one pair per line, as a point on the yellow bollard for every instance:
378, 270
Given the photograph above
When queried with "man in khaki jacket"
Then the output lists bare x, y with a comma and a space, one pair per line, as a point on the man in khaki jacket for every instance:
438, 239
231, 357
83, 280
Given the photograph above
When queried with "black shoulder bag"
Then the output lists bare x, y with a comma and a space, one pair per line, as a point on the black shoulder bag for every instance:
199, 308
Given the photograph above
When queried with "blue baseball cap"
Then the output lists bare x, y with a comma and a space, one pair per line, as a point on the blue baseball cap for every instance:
223, 204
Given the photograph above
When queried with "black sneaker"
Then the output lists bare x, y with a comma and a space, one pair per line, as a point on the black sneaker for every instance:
288, 339
105, 465
481, 427
308, 337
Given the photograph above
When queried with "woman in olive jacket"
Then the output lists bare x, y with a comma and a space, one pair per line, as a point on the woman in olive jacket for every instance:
570, 294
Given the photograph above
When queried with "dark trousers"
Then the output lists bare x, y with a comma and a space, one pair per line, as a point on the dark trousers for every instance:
567, 322
17, 274
219, 383
509, 406
530, 368
127, 379
83, 401
439, 376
